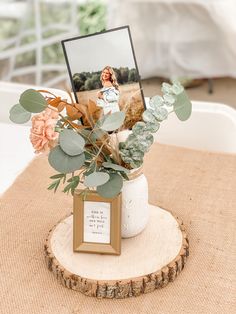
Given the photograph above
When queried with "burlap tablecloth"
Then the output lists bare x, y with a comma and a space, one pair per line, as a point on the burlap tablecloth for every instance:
198, 186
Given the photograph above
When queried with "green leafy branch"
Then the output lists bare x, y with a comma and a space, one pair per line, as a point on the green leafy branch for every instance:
175, 99
73, 183
57, 180
90, 151
78, 149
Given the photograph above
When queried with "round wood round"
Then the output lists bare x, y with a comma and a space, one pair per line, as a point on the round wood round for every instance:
147, 262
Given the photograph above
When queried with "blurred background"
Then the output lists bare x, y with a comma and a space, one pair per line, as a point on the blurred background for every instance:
190, 40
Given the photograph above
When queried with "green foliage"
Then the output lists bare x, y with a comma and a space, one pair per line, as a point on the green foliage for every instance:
91, 167
148, 116
175, 95
132, 151
182, 106
78, 82
96, 179
124, 74
87, 151
57, 177
112, 187
113, 121
92, 17
140, 140
115, 167
64, 163
133, 76
54, 186
73, 183
89, 84
19, 115
71, 142
32, 101
97, 133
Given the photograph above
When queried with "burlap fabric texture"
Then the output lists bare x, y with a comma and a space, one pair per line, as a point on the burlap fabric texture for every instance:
198, 186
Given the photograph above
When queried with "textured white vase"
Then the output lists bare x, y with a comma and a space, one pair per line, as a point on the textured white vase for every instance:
135, 210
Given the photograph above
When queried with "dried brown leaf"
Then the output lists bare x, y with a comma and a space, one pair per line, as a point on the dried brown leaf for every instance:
72, 112
54, 102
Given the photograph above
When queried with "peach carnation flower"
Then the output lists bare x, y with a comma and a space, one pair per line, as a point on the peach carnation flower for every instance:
43, 137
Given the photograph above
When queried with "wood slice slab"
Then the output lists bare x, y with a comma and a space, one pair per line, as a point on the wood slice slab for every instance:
147, 262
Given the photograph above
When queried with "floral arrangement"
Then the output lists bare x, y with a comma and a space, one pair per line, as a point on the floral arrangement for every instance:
88, 147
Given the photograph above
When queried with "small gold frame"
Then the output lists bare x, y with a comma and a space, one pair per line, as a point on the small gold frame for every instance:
79, 245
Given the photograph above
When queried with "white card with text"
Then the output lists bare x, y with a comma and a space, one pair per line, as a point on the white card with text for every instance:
97, 217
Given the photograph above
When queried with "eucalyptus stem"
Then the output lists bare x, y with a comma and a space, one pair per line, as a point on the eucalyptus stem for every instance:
93, 130
100, 149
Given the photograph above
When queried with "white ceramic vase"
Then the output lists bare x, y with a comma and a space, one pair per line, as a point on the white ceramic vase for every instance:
135, 210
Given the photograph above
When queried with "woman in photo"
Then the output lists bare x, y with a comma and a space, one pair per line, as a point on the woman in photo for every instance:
108, 96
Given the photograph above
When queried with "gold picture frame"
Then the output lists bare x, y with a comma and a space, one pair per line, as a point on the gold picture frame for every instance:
96, 223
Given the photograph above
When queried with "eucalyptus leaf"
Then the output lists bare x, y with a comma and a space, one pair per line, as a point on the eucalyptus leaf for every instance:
177, 88
160, 113
122, 145
169, 100
139, 141
124, 175
182, 106
136, 163
116, 167
33, 101
138, 155
126, 159
131, 138
90, 168
112, 187
64, 163
96, 179
145, 143
88, 156
139, 127
113, 121
156, 101
149, 139
148, 116
71, 142
97, 134
152, 127
166, 88
100, 122
19, 115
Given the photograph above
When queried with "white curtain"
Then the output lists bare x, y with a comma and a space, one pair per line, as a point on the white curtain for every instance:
173, 38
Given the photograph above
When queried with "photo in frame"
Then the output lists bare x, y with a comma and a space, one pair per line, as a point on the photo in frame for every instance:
96, 223
103, 68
